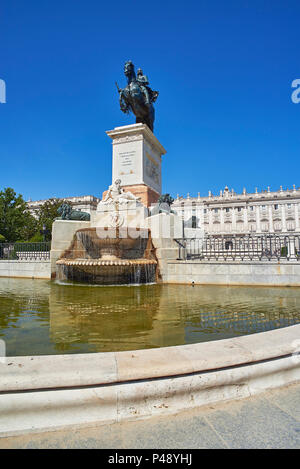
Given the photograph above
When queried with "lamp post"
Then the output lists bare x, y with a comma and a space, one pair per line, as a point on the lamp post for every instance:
44, 232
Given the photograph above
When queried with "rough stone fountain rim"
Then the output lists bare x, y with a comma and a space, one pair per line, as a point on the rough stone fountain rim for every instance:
48, 393
103, 262
71, 370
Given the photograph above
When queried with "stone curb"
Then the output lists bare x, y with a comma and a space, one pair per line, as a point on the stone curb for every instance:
47, 393
64, 371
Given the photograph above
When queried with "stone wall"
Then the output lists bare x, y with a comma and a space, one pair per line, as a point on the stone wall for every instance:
232, 273
26, 269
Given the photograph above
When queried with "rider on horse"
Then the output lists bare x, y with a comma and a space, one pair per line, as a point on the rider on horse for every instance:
138, 97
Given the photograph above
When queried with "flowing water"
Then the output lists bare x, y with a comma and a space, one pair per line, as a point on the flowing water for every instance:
103, 256
39, 317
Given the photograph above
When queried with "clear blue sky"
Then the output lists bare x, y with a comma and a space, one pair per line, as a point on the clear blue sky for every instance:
223, 70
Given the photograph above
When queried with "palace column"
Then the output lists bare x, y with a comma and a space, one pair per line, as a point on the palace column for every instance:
297, 227
271, 225
200, 216
283, 218
210, 224
258, 228
222, 219
246, 227
233, 220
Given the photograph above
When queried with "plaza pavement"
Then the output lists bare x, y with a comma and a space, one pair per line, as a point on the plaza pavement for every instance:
270, 420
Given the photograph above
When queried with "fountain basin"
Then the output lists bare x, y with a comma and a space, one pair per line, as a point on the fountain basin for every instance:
104, 256
107, 272
105, 262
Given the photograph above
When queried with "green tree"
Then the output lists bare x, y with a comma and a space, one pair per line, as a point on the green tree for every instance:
16, 222
47, 214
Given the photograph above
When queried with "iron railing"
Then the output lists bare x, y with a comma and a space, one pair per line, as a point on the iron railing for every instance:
25, 251
240, 247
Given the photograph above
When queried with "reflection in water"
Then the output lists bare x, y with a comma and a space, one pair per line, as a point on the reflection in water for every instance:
39, 317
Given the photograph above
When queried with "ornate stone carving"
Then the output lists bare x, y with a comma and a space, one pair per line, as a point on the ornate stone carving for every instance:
116, 219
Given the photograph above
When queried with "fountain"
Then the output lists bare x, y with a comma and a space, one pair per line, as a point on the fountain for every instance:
110, 255
108, 261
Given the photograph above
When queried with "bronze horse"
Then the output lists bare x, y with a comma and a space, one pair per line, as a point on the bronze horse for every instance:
137, 96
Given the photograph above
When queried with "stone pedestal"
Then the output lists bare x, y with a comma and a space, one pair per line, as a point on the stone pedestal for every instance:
137, 161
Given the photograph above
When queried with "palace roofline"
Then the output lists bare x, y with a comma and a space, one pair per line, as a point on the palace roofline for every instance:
227, 196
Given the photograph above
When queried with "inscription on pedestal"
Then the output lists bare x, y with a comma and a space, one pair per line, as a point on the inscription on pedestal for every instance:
126, 162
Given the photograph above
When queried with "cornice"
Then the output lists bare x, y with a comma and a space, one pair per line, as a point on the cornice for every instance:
135, 132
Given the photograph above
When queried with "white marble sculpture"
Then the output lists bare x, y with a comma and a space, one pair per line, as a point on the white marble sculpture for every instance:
115, 194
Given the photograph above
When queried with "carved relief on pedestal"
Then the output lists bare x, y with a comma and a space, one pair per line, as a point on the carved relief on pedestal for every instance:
152, 171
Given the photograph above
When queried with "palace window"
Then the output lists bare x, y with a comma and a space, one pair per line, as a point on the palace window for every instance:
291, 226
216, 210
277, 226
227, 209
276, 206
228, 245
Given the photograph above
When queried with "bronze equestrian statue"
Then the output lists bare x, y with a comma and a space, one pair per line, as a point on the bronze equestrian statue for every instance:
137, 96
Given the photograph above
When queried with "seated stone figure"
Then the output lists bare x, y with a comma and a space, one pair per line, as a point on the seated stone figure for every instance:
116, 194
67, 213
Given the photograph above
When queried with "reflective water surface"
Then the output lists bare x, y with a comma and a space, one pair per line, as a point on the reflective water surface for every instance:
39, 317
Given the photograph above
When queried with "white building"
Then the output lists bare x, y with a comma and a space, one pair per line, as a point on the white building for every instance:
230, 213
85, 203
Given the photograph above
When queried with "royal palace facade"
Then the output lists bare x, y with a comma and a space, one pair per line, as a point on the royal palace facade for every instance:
247, 213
